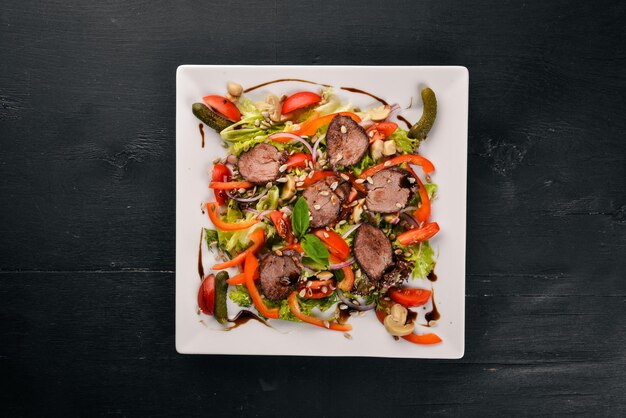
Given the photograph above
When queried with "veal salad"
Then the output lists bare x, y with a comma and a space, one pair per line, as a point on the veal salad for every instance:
322, 208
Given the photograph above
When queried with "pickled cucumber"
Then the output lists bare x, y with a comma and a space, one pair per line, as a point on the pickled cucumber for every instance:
420, 130
209, 117
221, 289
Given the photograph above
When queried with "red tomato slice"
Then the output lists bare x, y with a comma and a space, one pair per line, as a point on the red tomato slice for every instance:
223, 106
206, 295
283, 227
221, 173
409, 297
416, 235
299, 159
299, 100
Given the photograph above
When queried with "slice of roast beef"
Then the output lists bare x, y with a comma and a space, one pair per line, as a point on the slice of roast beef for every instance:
324, 199
372, 251
261, 164
278, 274
392, 190
346, 141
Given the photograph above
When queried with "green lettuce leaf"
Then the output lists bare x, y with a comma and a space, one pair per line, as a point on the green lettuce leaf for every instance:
269, 201
363, 165
423, 261
403, 142
240, 295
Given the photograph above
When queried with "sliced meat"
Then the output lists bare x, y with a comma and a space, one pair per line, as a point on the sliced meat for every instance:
324, 199
392, 190
261, 164
278, 274
372, 251
346, 141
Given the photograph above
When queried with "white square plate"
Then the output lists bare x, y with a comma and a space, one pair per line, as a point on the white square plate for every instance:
446, 147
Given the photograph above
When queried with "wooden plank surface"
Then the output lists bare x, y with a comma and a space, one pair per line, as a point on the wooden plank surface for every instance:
87, 188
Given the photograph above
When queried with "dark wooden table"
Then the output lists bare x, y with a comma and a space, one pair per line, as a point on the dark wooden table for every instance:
87, 187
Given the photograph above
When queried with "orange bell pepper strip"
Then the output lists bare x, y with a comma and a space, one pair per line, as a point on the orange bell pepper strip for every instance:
230, 185
311, 126
237, 279
296, 247
348, 277
251, 269
336, 245
426, 165
415, 235
258, 239
429, 338
225, 226
317, 176
294, 306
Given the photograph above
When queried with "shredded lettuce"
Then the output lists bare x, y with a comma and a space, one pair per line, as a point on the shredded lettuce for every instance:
240, 296
236, 241
423, 260
211, 237
365, 163
431, 189
247, 108
307, 307
243, 135
403, 142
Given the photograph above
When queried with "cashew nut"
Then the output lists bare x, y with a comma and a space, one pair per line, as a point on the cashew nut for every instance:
274, 107
376, 149
324, 275
357, 211
234, 89
378, 113
395, 321
289, 189
389, 148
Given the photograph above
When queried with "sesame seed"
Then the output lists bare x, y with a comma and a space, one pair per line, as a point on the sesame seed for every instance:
343, 129
324, 193
362, 313
399, 205
343, 221
311, 174
268, 185
343, 307
257, 122
370, 180
300, 184
344, 176
324, 289
282, 180
359, 181
432, 323
302, 177
411, 180
334, 185
327, 324
326, 234
398, 251
302, 293
278, 253
387, 163
242, 190
283, 168
407, 254
265, 113
339, 157
333, 200
371, 134
317, 207
309, 284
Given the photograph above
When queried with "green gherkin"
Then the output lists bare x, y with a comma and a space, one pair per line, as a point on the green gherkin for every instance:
209, 117
422, 127
221, 289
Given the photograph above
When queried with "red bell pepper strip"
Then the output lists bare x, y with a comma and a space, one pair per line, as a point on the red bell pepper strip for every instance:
258, 239
221, 173
299, 159
426, 165
311, 126
294, 306
295, 247
230, 185
422, 213
420, 234
336, 245
429, 338
300, 100
409, 297
225, 226
223, 106
250, 270
380, 131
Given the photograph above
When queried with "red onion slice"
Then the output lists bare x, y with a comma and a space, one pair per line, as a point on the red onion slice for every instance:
341, 265
349, 231
351, 305
248, 199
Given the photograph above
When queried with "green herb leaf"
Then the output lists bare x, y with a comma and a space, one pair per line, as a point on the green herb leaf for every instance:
210, 236
300, 217
315, 250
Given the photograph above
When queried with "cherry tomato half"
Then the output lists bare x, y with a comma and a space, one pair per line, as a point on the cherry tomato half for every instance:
299, 100
223, 106
409, 297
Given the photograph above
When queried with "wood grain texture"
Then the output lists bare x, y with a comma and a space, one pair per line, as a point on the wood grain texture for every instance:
87, 185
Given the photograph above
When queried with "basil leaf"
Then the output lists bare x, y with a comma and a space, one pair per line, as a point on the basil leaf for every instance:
315, 250
300, 217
